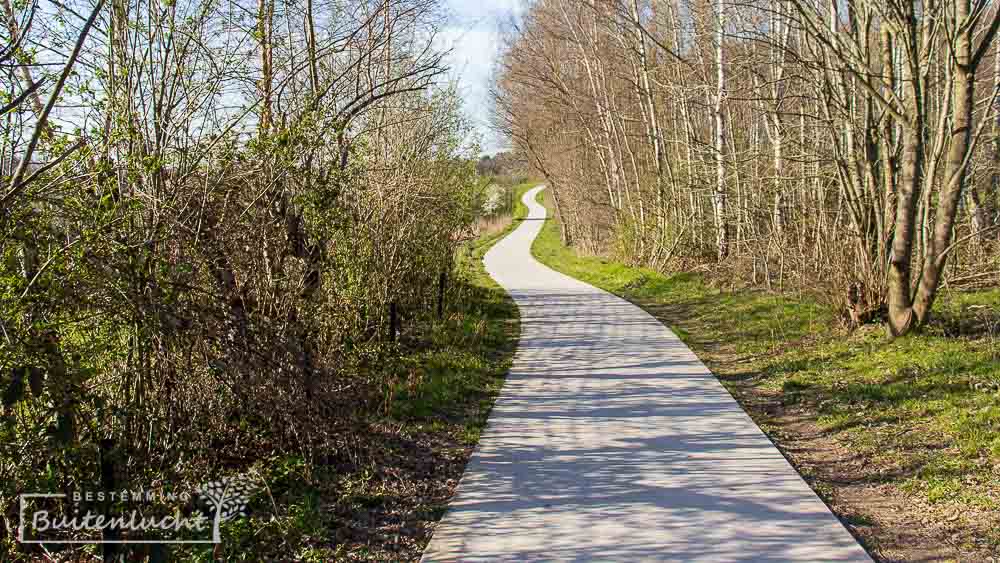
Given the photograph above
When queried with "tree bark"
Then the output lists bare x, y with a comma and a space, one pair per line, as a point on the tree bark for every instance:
265, 26
901, 318
956, 168
719, 197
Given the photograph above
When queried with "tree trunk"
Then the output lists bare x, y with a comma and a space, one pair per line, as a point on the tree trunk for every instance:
265, 21
719, 197
901, 318
955, 167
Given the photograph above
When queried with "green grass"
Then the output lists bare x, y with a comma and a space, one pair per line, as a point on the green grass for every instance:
463, 364
467, 367
925, 408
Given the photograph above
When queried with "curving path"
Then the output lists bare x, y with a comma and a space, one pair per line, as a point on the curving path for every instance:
612, 442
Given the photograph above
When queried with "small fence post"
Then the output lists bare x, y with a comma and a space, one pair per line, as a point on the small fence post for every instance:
108, 534
442, 280
393, 319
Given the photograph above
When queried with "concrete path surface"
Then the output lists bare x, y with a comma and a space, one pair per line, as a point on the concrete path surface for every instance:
612, 442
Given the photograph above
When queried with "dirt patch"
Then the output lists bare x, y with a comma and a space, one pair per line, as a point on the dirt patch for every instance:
410, 473
405, 489
865, 494
886, 522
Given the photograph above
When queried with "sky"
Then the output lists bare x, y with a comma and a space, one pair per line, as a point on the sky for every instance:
474, 36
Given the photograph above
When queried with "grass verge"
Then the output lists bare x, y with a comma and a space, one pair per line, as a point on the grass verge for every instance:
901, 437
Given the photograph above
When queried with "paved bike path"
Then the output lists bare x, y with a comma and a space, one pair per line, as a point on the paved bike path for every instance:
611, 441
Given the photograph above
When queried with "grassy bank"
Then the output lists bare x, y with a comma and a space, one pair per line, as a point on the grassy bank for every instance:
901, 437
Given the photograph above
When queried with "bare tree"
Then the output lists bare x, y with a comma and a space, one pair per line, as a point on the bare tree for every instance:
826, 142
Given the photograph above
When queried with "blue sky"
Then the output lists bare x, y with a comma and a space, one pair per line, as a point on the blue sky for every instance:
474, 35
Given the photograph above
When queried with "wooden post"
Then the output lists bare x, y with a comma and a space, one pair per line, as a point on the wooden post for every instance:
442, 280
108, 484
393, 317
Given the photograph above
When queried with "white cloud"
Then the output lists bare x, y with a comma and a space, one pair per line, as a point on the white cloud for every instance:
486, 8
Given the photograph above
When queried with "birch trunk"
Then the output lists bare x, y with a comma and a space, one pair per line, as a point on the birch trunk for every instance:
719, 197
